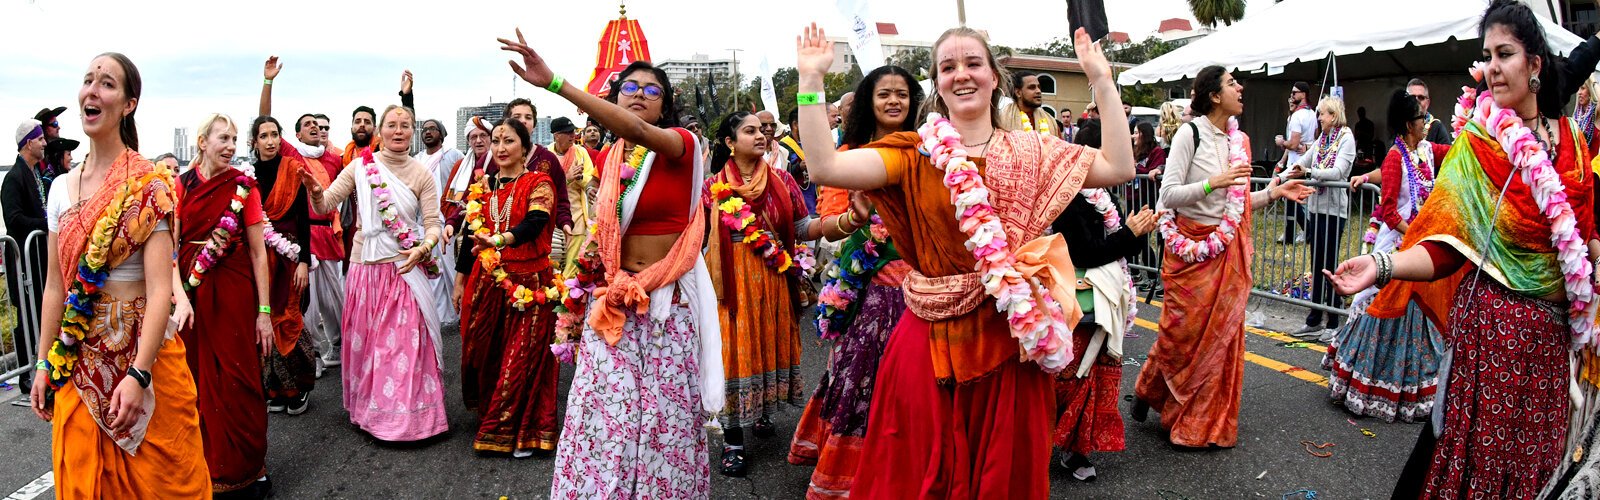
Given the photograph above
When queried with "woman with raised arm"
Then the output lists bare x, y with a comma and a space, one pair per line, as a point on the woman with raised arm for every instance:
650, 353
1194, 375
1500, 256
392, 387
112, 378
222, 253
508, 300
860, 302
955, 412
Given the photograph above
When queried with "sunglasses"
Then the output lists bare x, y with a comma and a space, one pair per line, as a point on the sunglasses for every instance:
324, 128
652, 91
55, 124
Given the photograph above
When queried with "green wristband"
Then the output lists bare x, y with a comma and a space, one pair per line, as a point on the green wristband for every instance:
809, 98
1206, 185
41, 365
266, 81
264, 309
555, 84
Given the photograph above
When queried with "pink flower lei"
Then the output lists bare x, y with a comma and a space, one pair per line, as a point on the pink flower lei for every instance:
1113, 222
273, 239
1036, 319
404, 233
1545, 183
1232, 216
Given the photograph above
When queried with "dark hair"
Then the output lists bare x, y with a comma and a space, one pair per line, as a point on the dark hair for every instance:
794, 116
522, 132
1402, 109
364, 109
1144, 148
669, 102
132, 87
301, 119
53, 157
862, 122
1088, 134
162, 157
1208, 81
1518, 19
255, 129
521, 102
321, 116
1018, 77
720, 152
443, 132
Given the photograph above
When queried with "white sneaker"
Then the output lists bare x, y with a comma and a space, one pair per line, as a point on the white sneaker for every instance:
320, 368
1085, 474
330, 361
521, 453
1327, 335
1300, 240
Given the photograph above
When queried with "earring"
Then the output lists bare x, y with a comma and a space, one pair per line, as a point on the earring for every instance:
1533, 84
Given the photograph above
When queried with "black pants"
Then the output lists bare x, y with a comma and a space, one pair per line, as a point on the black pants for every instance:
1322, 235
26, 350
1294, 214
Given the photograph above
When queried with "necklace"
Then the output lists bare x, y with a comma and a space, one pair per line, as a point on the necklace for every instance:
501, 217
1229, 152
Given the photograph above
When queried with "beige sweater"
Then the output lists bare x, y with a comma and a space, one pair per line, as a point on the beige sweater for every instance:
415, 176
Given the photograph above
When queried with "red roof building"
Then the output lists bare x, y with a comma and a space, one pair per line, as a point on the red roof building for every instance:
1175, 24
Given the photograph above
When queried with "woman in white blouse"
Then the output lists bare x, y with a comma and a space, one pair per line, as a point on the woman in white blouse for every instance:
1329, 159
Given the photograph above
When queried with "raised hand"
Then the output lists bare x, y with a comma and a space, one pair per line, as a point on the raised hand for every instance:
1093, 59
405, 82
533, 69
814, 52
1353, 275
271, 68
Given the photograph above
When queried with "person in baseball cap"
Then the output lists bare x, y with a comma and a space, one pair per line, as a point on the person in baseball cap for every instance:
48, 119
22, 206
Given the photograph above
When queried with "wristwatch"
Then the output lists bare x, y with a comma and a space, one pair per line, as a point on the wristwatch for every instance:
140, 376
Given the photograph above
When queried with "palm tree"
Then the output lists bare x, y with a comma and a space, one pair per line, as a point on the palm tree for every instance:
1209, 12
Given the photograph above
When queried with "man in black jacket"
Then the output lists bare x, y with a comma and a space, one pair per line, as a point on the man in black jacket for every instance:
22, 203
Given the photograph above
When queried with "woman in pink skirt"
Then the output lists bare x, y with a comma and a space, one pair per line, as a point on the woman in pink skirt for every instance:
391, 327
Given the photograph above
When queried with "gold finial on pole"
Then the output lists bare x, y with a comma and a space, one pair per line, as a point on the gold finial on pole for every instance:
622, 8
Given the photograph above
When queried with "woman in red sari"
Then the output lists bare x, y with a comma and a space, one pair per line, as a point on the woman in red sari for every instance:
955, 413
114, 386
507, 321
222, 253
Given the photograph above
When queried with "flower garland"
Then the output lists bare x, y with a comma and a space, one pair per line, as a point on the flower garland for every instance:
1192, 251
227, 226
84, 291
738, 218
630, 172
520, 296
273, 239
849, 276
1547, 189
404, 233
1035, 318
1113, 222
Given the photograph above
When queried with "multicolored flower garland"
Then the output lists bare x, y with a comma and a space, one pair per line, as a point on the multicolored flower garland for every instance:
861, 257
404, 233
226, 228
1192, 251
738, 218
84, 291
520, 296
1545, 184
630, 172
1035, 318
1113, 222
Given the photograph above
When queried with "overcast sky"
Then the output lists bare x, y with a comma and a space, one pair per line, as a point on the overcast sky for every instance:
198, 57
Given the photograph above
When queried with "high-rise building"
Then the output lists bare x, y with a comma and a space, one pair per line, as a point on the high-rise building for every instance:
541, 132
491, 112
182, 145
698, 67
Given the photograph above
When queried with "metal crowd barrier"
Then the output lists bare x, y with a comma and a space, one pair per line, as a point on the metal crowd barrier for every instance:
25, 263
1282, 269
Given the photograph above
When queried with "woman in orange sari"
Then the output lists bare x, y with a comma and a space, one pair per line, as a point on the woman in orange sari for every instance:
222, 253
113, 382
760, 218
507, 314
290, 371
1195, 373
955, 412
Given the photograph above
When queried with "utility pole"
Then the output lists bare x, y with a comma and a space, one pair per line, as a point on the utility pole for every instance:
736, 82
961, 12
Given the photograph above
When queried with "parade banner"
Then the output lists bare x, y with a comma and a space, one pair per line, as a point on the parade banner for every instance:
864, 40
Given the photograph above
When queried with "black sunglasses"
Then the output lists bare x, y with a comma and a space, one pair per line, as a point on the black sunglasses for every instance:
324, 128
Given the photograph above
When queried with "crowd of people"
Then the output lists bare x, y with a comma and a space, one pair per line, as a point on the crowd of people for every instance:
975, 286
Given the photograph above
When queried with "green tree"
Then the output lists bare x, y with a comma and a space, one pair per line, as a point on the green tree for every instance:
1210, 12
917, 61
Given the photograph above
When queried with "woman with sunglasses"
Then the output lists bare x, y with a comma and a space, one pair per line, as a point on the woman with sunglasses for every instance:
649, 358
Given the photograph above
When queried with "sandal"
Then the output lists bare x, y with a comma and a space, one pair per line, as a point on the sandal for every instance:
764, 428
733, 464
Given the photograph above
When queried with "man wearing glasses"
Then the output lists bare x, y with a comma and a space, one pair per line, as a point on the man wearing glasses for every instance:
1295, 141
1438, 132
48, 120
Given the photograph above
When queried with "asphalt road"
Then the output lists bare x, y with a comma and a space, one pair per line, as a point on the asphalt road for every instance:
321, 455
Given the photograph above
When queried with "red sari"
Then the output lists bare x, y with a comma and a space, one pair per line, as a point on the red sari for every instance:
222, 350
508, 372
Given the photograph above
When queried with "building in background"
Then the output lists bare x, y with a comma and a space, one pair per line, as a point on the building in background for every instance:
1180, 31
183, 145
491, 112
697, 67
888, 36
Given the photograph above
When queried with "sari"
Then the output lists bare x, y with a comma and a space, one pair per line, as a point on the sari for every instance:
508, 371
162, 455
290, 370
760, 337
221, 341
1502, 423
955, 414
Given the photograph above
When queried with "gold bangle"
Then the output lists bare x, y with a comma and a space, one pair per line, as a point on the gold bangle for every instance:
838, 224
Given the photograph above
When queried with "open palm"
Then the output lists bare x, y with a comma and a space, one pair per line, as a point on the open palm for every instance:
532, 69
813, 51
1095, 65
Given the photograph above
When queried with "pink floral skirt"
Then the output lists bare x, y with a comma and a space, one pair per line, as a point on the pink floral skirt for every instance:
391, 376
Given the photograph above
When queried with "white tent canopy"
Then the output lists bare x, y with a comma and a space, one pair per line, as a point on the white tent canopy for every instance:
1370, 31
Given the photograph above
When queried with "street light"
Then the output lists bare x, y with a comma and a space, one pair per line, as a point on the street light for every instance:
736, 77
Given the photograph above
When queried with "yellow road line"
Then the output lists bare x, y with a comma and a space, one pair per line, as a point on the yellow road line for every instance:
1278, 336
1263, 361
